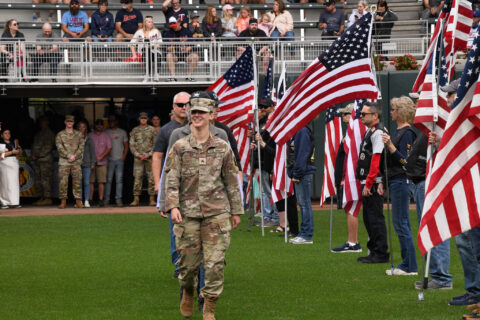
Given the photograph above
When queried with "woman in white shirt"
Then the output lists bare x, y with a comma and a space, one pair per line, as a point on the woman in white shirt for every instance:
9, 168
146, 35
362, 8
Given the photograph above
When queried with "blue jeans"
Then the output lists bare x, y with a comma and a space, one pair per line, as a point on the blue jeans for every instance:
114, 167
400, 194
471, 267
440, 255
86, 182
173, 248
289, 36
96, 39
302, 191
270, 211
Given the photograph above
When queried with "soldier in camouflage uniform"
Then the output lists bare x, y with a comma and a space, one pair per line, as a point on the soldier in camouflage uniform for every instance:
42, 147
70, 144
202, 194
142, 140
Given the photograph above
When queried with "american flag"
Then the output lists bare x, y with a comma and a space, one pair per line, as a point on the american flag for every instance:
341, 73
333, 137
459, 25
237, 91
268, 84
356, 130
453, 192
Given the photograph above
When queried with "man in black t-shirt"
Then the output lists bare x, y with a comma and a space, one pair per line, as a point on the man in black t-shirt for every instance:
127, 21
251, 33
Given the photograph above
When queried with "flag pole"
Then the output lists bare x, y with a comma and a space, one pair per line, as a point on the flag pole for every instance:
257, 125
284, 85
252, 213
331, 222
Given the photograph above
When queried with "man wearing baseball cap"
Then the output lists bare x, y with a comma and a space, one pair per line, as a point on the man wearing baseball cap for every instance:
332, 21
202, 167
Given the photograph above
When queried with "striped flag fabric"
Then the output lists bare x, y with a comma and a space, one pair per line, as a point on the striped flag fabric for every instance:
333, 137
236, 88
459, 24
453, 191
243, 144
352, 192
280, 181
341, 73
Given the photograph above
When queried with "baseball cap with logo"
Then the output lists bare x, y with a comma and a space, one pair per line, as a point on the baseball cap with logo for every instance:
214, 97
201, 101
452, 87
172, 22
195, 14
347, 109
266, 103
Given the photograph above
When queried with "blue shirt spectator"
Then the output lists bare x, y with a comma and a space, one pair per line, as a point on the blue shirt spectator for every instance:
102, 22
74, 21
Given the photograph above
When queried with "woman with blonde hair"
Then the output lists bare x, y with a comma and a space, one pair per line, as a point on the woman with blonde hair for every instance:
228, 22
141, 41
399, 147
243, 19
362, 7
211, 24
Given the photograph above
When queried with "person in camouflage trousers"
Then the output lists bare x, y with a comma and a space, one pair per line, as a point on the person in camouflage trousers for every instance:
202, 194
42, 147
70, 144
142, 140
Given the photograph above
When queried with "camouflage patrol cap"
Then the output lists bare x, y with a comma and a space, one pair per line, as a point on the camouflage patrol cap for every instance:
69, 117
200, 100
143, 115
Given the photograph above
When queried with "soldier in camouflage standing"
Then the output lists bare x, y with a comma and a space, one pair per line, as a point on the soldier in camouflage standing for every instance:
70, 144
202, 194
142, 140
42, 147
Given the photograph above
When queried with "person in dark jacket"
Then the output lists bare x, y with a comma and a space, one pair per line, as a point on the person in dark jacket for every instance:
382, 27
399, 147
352, 244
88, 161
300, 169
211, 24
10, 51
103, 23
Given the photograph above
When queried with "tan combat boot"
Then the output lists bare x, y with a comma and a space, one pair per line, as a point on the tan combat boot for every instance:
47, 202
209, 309
79, 204
136, 201
186, 305
38, 202
152, 201
63, 204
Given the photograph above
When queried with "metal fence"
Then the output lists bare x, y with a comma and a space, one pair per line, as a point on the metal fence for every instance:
182, 61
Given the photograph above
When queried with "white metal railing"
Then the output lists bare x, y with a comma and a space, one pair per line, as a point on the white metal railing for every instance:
163, 61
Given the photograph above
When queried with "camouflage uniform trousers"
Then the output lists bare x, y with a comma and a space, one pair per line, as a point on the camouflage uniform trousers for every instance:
203, 240
63, 172
43, 178
139, 168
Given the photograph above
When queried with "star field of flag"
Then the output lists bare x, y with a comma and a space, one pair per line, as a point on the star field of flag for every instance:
350, 46
357, 107
471, 72
267, 87
242, 71
331, 113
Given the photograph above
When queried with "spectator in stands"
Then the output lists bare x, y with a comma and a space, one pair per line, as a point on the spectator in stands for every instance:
9, 183
474, 30
148, 33
431, 12
265, 24
127, 21
10, 52
229, 1
102, 23
362, 7
228, 22
195, 27
175, 11
476, 19
253, 32
282, 22
243, 19
74, 22
156, 123
46, 53
88, 160
382, 28
36, 12
253, 1
179, 50
332, 21
211, 24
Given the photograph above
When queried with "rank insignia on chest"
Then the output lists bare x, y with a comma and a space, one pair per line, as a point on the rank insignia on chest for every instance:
202, 161
362, 156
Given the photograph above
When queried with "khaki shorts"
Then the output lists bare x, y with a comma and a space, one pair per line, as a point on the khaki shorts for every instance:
100, 173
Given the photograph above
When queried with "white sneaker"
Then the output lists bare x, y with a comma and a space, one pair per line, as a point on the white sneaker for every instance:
300, 240
400, 272
87, 204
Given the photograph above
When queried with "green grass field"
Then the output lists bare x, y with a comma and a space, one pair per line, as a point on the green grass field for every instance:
118, 267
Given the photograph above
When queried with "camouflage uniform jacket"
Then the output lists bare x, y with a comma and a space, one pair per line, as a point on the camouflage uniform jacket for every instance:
142, 140
43, 145
69, 144
202, 178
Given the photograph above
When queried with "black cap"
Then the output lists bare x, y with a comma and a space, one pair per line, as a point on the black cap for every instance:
99, 121
214, 97
200, 95
329, 3
126, 1
266, 103
252, 20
